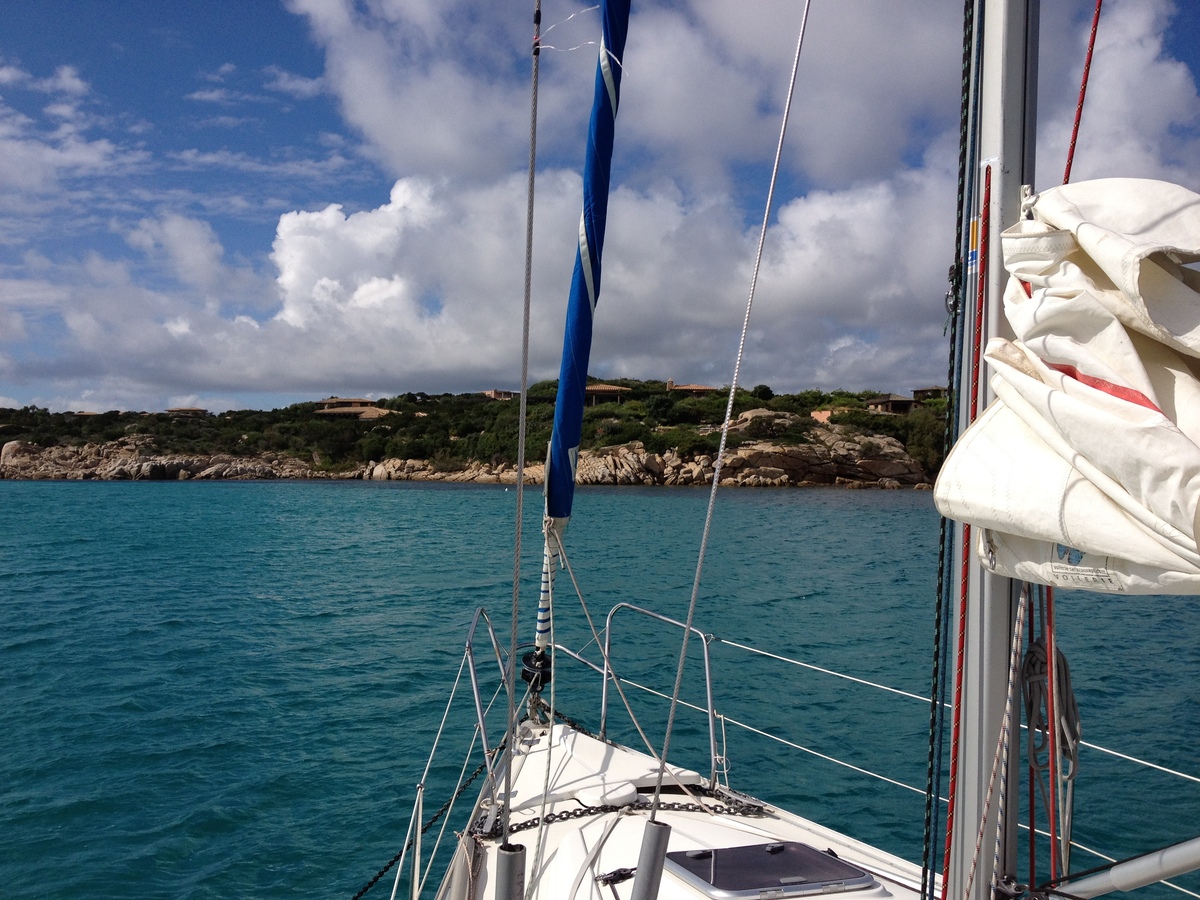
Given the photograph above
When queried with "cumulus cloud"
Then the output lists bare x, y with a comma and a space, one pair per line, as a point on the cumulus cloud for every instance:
422, 290
37, 157
1142, 111
65, 80
417, 80
298, 86
190, 245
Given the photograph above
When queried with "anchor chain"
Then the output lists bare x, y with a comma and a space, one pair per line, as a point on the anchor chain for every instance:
731, 807
441, 811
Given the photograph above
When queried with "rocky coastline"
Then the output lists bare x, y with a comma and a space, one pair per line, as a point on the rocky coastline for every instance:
834, 455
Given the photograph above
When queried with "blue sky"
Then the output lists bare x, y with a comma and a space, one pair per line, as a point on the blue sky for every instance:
233, 204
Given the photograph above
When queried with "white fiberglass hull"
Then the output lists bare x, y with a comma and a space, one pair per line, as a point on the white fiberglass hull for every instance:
568, 858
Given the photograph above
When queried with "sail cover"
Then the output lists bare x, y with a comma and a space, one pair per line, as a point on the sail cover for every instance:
585, 283
1084, 472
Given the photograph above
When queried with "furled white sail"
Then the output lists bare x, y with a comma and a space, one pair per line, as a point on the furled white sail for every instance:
1085, 470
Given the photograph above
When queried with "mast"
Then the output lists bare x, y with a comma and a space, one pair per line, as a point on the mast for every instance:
1007, 82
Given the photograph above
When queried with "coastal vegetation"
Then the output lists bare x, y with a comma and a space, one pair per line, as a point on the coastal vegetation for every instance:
451, 430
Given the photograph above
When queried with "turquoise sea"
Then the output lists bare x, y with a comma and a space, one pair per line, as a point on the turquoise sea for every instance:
229, 689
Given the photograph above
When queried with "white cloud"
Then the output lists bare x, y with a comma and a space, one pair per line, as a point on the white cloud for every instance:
412, 78
243, 162
190, 245
222, 72
1142, 113
423, 291
38, 159
65, 80
326, 259
11, 75
178, 327
298, 86
214, 95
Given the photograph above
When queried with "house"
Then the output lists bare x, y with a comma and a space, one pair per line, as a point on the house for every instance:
187, 412
344, 403
693, 390
891, 404
604, 393
354, 407
929, 393
498, 394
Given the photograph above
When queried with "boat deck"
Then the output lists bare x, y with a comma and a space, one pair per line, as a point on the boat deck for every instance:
598, 803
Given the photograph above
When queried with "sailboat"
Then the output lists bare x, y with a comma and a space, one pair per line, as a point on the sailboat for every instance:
565, 812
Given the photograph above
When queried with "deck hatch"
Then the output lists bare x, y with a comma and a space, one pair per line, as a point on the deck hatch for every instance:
779, 869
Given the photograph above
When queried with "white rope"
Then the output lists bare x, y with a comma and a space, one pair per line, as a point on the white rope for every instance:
590, 859
832, 759
1003, 752
580, 12
883, 687
607, 661
446, 817
810, 666
1141, 762
414, 820
540, 835
716, 478
1000, 758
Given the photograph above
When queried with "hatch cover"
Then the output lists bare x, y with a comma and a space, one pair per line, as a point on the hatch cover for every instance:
779, 869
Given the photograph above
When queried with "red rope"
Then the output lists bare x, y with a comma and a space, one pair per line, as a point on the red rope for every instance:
1087, 68
1052, 716
1032, 799
961, 649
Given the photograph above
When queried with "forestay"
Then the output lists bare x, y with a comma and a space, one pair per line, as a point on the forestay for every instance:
1085, 470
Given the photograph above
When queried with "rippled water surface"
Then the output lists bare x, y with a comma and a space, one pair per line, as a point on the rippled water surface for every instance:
227, 689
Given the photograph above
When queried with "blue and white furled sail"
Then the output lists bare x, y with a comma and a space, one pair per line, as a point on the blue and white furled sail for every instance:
585, 291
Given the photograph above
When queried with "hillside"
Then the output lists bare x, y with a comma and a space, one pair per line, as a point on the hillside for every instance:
452, 432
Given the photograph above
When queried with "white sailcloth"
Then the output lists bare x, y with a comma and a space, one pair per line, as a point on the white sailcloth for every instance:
1085, 470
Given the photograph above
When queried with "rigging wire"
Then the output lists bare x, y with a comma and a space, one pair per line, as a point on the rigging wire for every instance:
960, 651
716, 477
607, 660
999, 772
1087, 68
954, 308
1066, 727
522, 413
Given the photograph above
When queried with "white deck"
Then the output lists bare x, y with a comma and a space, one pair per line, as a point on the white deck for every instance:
588, 772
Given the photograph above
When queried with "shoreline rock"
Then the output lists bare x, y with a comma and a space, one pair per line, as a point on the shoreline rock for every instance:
134, 459
834, 456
